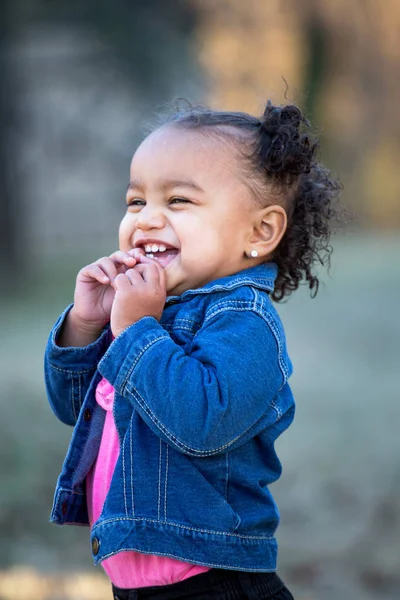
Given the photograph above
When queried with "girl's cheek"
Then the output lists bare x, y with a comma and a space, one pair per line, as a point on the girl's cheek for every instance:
126, 229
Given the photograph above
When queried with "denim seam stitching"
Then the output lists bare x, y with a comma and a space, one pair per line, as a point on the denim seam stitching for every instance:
267, 281
72, 372
131, 435
124, 478
80, 390
175, 327
276, 408
181, 323
226, 476
260, 299
179, 526
165, 483
159, 480
182, 558
139, 356
73, 399
194, 451
239, 305
185, 320
264, 314
282, 365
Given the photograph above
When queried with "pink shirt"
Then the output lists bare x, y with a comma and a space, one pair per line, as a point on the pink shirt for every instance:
126, 569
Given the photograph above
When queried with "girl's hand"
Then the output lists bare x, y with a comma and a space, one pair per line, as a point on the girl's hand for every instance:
139, 292
94, 290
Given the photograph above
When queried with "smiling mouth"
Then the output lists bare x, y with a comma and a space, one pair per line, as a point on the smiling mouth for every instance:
161, 253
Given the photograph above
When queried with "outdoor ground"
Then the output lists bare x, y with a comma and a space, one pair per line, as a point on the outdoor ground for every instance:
339, 493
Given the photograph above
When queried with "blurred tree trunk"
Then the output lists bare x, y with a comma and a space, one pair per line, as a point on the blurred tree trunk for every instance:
150, 40
314, 77
10, 242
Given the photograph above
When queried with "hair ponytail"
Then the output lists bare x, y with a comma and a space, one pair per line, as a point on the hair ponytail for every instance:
282, 150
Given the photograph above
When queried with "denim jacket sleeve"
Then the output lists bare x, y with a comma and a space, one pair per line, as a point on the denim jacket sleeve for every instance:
69, 371
212, 399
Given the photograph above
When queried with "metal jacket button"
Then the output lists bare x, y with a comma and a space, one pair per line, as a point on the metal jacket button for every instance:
95, 545
87, 415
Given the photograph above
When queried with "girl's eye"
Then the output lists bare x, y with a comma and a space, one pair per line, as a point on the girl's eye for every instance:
178, 200
135, 202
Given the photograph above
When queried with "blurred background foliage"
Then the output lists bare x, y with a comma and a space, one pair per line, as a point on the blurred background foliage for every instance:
80, 80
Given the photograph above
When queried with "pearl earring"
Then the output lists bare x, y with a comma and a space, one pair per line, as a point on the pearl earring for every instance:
254, 254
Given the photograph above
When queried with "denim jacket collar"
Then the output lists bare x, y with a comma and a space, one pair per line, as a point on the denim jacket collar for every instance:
262, 276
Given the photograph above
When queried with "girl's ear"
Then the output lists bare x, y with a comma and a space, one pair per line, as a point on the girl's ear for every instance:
269, 228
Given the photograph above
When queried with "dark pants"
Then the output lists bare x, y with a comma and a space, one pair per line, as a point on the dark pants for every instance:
216, 584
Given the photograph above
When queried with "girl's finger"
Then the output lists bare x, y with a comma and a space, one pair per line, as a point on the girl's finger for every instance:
108, 267
136, 252
134, 276
122, 258
145, 260
163, 277
149, 273
96, 273
142, 258
160, 270
139, 268
122, 282
118, 264
152, 273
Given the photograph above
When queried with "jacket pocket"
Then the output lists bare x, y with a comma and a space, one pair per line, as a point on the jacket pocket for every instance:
196, 493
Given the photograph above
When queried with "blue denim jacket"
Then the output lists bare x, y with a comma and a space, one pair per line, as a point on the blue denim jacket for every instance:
200, 398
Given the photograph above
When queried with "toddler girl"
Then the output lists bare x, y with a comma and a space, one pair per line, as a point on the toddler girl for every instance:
172, 363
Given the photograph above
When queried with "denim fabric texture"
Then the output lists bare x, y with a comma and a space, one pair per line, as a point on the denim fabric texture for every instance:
200, 398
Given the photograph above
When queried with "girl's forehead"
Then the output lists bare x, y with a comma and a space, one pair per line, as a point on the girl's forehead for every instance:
176, 146
211, 163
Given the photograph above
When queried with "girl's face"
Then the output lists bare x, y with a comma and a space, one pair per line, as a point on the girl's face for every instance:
188, 208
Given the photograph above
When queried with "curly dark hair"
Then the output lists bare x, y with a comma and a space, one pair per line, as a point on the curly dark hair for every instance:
282, 157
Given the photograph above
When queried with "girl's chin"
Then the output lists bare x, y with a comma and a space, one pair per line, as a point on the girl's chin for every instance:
174, 287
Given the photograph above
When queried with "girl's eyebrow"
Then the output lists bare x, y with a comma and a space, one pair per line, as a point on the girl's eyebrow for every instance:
135, 184
167, 184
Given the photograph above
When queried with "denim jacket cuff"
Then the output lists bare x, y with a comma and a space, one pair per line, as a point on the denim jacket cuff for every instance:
76, 358
135, 340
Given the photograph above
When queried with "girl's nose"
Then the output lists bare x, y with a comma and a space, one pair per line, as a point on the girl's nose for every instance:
150, 218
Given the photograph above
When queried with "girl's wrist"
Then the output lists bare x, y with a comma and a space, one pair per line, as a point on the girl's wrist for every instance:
78, 333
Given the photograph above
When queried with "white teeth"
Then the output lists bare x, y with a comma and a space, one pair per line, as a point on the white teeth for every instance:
150, 255
155, 248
